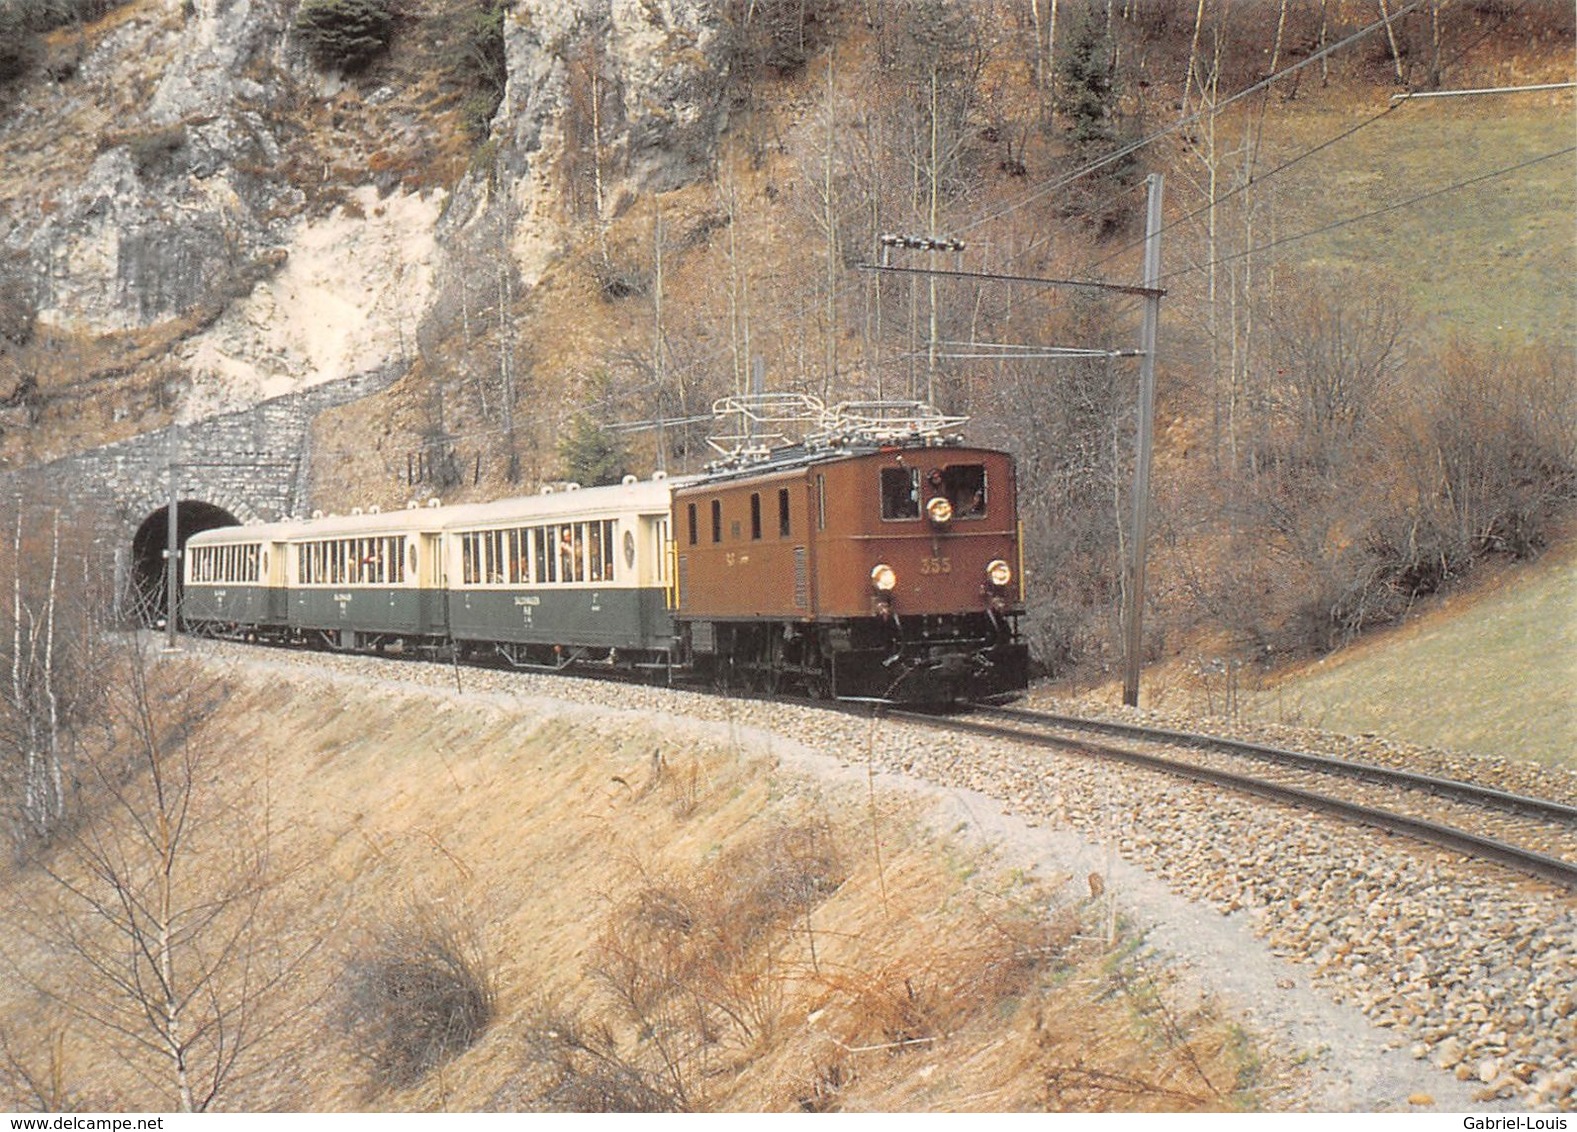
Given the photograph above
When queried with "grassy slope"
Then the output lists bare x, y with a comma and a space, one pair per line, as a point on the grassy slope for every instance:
1492, 672
1492, 263
552, 830
1493, 260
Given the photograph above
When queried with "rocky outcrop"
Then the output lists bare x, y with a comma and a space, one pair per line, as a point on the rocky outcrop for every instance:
176, 209
176, 200
628, 94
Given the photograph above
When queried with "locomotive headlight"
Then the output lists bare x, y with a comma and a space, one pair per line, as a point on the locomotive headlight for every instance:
883, 577
939, 510
999, 573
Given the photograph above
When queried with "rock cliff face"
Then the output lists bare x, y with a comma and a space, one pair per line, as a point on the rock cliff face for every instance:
629, 90
175, 206
185, 171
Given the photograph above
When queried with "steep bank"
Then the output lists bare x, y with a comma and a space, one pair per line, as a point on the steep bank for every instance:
893, 945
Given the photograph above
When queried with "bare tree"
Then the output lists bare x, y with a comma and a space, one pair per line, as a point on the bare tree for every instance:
159, 916
32, 708
1337, 352
48, 638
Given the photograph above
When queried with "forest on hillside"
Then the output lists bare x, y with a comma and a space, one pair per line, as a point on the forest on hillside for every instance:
1336, 439
1345, 426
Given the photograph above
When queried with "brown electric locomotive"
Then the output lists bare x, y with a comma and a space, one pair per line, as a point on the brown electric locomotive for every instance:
880, 563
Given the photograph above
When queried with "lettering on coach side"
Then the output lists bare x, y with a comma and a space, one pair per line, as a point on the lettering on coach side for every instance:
527, 605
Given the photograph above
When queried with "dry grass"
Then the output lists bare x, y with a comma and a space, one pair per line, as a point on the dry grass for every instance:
692, 931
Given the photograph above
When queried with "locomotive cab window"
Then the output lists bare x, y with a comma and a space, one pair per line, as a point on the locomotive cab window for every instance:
963, 485
900, 493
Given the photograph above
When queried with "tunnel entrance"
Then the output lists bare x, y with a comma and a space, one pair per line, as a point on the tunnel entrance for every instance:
147, 596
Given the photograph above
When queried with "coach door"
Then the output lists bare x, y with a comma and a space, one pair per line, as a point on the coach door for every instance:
426, 551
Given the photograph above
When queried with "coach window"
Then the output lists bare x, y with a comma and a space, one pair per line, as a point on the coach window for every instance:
519, 556
717, 520
495, 557
821, 502
783, 512
755, 515
694, 532
566, 544
900, 493
542, 551
594, 549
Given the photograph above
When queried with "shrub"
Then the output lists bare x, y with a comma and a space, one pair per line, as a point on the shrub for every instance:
153, 153
592, 456
345, 34
477, 56
577, 1067
17, 48
421, 993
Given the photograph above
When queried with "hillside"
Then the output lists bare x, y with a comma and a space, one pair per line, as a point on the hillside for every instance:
1493, 672
534, 219
659, 914
527, 220
377, 885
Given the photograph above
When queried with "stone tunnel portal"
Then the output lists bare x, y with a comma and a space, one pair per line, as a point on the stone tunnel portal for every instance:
147, 593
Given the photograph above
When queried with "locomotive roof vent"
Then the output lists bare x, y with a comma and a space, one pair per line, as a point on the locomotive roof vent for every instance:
628, 480
435, 502
659, 475
411, 505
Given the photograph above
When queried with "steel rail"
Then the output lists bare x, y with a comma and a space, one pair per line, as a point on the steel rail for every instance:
1521, 804
1540, 865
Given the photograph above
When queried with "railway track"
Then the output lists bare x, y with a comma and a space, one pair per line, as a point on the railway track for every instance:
1534, 836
